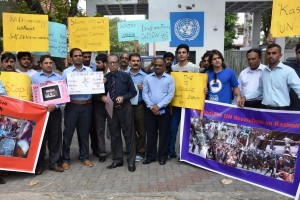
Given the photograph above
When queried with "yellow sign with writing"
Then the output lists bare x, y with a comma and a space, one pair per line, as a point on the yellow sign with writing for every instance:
285, 18
17, 85
25, 32
189, 90
89, 33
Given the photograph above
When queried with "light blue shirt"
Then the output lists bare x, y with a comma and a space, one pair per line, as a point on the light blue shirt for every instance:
2, 88
138, 78
72, 69
93, 66
41, 77
275, 85
158, 90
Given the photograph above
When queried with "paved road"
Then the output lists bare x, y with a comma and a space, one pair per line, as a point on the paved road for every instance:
175, 180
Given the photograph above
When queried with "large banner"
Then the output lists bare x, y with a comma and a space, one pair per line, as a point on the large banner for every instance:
22, 126
25, 32
187, 28
253, 145
17, 85
285, 18
89, 33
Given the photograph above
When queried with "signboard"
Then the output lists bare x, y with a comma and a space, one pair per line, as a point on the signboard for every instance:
89, 33
189, 90
22, 130
25, 32
58, 45
85, 83
285, 18
51, 92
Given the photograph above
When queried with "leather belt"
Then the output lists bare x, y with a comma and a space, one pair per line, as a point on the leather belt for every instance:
275, 107
81, 102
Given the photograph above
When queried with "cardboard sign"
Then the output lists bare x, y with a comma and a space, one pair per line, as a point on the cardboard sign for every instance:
58, 45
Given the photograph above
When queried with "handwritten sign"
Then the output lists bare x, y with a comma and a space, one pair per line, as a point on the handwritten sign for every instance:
25, 32
145, 31
17, 85
189, 90
285, 18
58, 45
51, 92
85, 83
89, 33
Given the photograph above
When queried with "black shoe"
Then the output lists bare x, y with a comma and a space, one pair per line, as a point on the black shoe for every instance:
114, 165
102, 158
131, 167
2, 181
148, 161
39, 170
162, 161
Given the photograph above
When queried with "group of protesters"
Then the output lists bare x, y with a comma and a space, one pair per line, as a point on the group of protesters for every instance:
150, 119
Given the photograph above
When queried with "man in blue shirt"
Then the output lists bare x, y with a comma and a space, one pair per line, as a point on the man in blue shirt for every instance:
53, 133
78, 115
87, 60
158, 91
120, 88
139, 109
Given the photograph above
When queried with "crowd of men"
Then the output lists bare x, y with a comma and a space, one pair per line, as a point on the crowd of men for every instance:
150, 119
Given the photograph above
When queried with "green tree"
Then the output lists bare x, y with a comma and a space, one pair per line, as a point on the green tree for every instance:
266, 23
230, 32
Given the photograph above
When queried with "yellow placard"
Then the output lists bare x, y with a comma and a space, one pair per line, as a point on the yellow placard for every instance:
285, 18
17, 85
25, 32
89, 33
189, 90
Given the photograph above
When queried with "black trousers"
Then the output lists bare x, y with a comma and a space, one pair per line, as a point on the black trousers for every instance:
157, 128
99, 120
122, 120
253, 104
53, 135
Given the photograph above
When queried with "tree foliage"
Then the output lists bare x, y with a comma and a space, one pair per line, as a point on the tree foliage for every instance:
230, 32
266, 23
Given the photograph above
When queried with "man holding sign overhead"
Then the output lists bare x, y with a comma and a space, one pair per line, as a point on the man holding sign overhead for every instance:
78, 115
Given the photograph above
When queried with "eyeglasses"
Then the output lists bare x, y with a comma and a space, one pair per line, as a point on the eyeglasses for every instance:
113, 62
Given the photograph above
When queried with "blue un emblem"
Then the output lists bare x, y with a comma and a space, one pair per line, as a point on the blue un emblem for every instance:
187, 29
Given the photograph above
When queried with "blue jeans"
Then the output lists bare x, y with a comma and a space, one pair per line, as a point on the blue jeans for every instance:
77, 117
174, 123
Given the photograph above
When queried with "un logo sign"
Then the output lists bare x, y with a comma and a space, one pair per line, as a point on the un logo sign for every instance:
187, 29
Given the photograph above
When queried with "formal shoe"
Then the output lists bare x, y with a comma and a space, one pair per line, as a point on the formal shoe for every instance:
39, 170
162, 161
87, 163
114, 165
65, 166
102, 158
148, 161
2, 181
57, 169
131, 167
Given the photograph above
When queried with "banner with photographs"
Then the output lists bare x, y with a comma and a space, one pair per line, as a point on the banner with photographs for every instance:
50, 92
22, 126
253, 145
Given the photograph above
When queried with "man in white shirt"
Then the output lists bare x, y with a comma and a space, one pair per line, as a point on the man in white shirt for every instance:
25, 61
249, 77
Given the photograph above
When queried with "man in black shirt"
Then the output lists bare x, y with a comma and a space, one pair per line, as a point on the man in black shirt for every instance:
120, 88
295, 101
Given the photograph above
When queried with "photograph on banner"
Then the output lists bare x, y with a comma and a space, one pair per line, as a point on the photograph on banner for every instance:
253, 145
285, 18
51, 92
266, 152
25, 32
85, 83
15, 136
17, 85
89, 33
22, 126
58, 45
189, 90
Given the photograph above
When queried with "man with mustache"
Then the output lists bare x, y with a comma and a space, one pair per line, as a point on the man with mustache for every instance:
124, 62
8, 61
25, 61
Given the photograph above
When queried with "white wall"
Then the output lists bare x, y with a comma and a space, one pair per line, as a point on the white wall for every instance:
214, 15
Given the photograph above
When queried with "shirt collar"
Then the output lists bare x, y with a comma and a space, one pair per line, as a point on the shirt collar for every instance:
261, 67
280, 65
139, 72
82, 69
52, 74
163, 75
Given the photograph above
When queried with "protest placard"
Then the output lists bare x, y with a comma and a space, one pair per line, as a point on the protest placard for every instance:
58, 46
85, 83
51, 92
128, 30
258, 146
189, 90
25, 32
89, 33
285, 18
23, 124
17, 85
